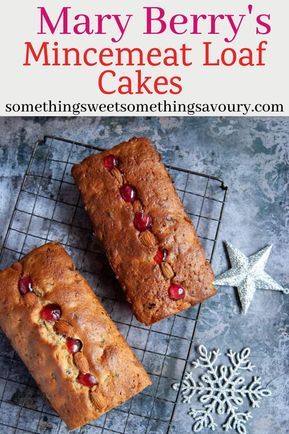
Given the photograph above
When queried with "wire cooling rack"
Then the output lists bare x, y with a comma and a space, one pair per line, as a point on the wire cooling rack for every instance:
49, 208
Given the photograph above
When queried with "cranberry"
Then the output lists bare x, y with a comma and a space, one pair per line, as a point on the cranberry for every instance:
176, 292
142, 221
73, 345
128, 193
87, 380
51, 312
25, 285
161, 255
110, 161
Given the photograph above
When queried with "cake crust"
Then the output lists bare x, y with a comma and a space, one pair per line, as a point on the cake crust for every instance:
130, 252
42, 345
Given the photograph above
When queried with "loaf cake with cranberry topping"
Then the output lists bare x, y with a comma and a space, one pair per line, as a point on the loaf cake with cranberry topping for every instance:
149, 239
66, 339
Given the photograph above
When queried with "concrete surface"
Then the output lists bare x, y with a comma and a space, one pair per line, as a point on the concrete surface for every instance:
252, 156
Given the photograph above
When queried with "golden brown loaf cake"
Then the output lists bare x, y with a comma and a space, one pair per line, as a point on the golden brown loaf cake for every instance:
66, 339
149, 239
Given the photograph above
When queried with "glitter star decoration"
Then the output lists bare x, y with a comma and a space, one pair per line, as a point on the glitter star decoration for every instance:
247, 274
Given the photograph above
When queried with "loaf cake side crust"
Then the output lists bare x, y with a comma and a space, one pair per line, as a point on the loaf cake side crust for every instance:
131, 253
42, 344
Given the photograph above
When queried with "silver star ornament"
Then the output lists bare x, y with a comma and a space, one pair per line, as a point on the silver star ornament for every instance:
247, 274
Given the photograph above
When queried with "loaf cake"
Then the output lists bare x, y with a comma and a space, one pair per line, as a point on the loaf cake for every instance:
148, 238
66, 339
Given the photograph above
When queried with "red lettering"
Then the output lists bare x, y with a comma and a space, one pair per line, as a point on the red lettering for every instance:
208, 57
142, 83
101, 80
85, 57
105, 52
36, 56
159, 82
177, 87
226, 59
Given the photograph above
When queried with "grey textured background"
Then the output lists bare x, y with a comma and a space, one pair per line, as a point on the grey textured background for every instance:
252, 156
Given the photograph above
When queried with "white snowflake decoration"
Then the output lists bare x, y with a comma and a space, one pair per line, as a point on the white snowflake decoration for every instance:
222, 390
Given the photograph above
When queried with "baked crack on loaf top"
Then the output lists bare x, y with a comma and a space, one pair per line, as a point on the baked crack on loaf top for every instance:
149, 239
66, 339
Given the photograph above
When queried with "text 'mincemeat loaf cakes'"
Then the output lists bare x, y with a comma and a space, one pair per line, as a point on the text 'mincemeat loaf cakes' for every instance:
149, 239
66, 339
